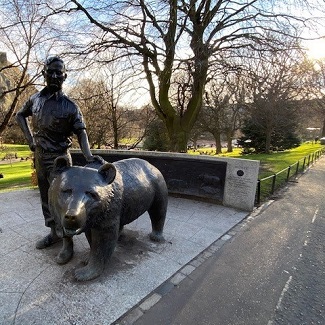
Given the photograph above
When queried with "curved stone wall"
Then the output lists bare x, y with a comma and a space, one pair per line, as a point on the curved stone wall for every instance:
227, 181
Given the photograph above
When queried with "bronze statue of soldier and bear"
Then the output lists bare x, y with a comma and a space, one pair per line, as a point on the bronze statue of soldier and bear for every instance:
97, 199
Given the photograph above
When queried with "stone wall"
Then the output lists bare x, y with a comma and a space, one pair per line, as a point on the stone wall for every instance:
227, 181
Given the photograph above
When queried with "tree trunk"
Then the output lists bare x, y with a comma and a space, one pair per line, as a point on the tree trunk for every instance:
115, 127
229, 145
268, 141
178, 135
195, 142
229, 141
323, 129
217, 139
178, 124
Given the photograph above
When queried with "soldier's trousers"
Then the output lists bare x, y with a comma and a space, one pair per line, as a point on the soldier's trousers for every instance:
44, 162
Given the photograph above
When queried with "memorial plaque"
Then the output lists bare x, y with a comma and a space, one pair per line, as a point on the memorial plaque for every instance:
241, 182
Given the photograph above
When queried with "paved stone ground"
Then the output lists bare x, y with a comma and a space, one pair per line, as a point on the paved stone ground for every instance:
35, 290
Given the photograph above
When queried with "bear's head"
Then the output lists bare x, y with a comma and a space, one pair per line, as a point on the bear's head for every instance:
78, 195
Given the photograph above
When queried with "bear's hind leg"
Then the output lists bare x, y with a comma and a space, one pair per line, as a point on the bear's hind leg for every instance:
157, 213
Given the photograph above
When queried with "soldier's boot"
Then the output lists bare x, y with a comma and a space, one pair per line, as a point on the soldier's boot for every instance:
48, 240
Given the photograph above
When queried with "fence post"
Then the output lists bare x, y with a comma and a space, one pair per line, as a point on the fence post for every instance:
297, 169
258, 198
303, 165
288, 174
273, 183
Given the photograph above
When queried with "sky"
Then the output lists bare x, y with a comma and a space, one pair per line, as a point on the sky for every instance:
316, 49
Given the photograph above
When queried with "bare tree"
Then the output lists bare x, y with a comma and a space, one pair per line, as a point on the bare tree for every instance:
24, 35
277, 84
108, 121
94, 101
317, 89
139, 122
165, 36
225, 101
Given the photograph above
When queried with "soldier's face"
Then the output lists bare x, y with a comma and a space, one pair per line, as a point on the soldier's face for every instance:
54, 74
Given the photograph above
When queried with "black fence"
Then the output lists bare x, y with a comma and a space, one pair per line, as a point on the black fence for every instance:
267, 186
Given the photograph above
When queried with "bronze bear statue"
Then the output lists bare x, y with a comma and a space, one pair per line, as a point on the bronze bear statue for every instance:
100, 201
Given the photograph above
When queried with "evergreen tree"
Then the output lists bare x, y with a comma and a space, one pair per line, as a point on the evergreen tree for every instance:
157, 137
254, 138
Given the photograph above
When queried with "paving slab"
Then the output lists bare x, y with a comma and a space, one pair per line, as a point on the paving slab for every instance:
34, 289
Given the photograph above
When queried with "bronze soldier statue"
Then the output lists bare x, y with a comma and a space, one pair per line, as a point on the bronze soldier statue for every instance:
55, 118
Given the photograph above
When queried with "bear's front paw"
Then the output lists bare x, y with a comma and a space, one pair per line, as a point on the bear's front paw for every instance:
87, 273
64, 256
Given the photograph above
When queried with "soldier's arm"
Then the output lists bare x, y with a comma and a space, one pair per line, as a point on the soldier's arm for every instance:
84, 145
79, 128
21, 118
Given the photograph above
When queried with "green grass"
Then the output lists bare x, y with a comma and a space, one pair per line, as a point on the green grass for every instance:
16, 172
16, 175
21, 150
270, 163
275, 162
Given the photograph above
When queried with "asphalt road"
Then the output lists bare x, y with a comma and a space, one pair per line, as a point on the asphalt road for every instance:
271, 272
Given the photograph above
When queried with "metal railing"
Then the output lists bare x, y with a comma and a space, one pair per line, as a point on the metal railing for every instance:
267, 186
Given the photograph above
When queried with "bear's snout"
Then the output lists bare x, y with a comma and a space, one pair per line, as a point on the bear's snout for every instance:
73, 221
70, 218
71, 225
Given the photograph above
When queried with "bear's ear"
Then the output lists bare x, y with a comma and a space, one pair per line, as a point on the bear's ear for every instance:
61, 163
108, 172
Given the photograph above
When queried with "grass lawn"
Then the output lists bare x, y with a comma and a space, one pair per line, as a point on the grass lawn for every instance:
270, 163
16, 175
14, 167
21, 150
